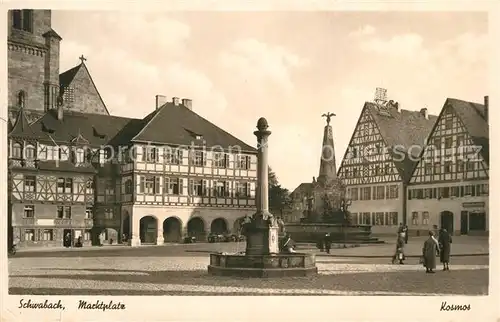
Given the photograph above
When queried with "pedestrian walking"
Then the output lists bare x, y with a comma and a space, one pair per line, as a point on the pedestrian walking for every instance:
429, 253
445, 248
399, 254
327, 243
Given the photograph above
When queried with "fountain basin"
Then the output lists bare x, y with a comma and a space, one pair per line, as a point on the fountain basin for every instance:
274, 265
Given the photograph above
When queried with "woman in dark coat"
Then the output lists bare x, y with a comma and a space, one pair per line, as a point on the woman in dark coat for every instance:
429, 253
445, 248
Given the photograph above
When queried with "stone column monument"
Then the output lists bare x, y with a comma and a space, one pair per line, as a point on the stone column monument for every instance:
262, 234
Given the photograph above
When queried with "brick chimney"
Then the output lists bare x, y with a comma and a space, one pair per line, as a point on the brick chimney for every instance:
486, 108
160, 101
424, 113
175, 100
187, 103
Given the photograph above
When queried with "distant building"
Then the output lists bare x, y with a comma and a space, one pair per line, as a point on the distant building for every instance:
376, 168
76, 170
449, 186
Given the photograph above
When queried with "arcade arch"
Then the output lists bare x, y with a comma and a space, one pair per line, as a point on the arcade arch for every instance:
196, 228
172, 230
219, 226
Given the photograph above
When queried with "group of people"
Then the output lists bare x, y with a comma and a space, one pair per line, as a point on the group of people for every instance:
431, 249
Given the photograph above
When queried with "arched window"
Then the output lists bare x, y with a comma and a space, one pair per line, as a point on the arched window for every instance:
30, 152
128, 186
21, 99
23, 19
17, 151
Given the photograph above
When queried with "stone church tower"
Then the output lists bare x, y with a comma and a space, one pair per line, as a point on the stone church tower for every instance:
33, 70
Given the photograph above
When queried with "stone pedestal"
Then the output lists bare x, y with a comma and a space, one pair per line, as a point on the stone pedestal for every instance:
262, 240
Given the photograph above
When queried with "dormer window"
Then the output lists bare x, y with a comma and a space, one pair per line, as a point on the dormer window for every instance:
22, 20
199, 137
30, 152
17, 151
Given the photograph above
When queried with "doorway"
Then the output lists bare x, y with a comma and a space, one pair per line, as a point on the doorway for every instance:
67, 238
464, 222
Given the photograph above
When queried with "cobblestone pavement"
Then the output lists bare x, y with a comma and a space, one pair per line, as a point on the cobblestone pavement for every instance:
170, 270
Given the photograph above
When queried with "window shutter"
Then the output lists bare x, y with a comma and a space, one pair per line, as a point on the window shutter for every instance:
226, 160
227, 193
141, 184
180, 154
181, 185
204, 187
191, 187
157, 185
248, 192
157, 154
204, 157
166, 184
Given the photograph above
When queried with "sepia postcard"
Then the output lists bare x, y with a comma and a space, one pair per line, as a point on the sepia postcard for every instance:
160, 155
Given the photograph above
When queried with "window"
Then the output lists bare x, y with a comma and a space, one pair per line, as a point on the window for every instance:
387, 168
22, 20
393, 219
354, 218
460, 166
471, 165
242, 189
79, 155
128, 187
378, 193
150, 184
42, 153
64, 212
109, 188
29, 184
221, 188
427, 193
172, 156
63, 152
64, 185
437, 143
455, 191
448, 123
437, 168
88, 213
468, 191
448, 142
414, 218
483, 189
221, 160
392, 192
198, 187
448, 167
48, 234
17, 151
198, 158
366, 218
151, 154
242, 162
354, 194
428, 168
29, 234
354, 172
21, 99
425, 218
366, 193
29, 211
89, 187
444, 192
87, 235
460, 140
172, 186
30, 152
379, 219
108, 213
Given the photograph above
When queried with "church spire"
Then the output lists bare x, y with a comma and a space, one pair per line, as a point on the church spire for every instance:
328, 168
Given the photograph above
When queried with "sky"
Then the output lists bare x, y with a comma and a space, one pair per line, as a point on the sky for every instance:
289, 67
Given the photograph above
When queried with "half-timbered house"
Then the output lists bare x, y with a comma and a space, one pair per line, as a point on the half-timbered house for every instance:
378, 161
75, 169
449, 186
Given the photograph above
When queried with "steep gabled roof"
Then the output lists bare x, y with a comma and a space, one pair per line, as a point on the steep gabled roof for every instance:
303, 188
473, 117
401, 129
66, 78
21, 126
94, 128
178, 125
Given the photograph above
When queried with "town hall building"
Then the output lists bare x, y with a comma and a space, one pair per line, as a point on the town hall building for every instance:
76, 170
